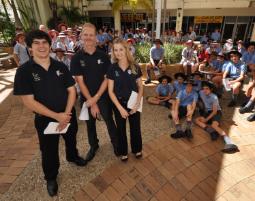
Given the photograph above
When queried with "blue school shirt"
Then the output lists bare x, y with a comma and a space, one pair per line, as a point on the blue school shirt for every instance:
198, 85
253, 59
185, 98
234, 70
156, 53
209, 101
247, 57
164, 90
178, 87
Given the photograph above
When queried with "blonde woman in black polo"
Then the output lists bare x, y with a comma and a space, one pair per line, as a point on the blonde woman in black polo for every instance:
124, 76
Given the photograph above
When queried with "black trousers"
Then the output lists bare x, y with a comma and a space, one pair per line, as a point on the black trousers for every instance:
135, 130
49, 145
105, 107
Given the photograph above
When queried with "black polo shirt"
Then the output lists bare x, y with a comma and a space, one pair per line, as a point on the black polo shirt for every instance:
92, 67
124, 81
48, 87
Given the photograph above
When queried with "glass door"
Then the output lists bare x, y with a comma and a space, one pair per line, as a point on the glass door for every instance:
240, 31
228, 31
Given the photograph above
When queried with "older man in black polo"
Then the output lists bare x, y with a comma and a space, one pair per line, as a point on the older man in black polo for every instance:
47, 88
89, 66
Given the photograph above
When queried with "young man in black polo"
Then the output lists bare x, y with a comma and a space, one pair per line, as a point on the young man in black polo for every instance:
47, 88
89, 66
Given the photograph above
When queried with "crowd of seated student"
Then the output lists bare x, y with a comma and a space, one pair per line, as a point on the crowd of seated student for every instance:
202, 88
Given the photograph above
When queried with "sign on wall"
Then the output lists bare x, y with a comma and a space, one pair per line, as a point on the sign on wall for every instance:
130, 17
208, 19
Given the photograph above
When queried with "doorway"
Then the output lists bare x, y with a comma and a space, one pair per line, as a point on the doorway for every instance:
228, 31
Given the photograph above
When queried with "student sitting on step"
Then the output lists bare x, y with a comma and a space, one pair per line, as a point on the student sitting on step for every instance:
164, 92
184, 106
210, 120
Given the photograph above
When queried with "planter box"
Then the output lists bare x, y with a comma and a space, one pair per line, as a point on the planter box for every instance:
171, 69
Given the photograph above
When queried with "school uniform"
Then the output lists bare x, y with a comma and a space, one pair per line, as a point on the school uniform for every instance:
93, 68
50, 89
185, 100
178, 87
124, 83
235, 70
156, 54
22, 52
247, 57
209, 101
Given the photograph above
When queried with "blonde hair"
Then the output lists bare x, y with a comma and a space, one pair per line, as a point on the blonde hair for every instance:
90, 25
130, 58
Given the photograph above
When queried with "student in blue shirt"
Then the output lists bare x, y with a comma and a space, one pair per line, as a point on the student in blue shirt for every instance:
179, 82
210, 120
184, 106
248, 54
235, 71
156, 60
197, 77
164, 92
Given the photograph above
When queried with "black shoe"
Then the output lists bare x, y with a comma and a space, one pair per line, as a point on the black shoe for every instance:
188, 134
245, 109
91, 153
232, 104
251, 117
230, 148
214, 135
79, 161
52, 187
177, 134
148, 81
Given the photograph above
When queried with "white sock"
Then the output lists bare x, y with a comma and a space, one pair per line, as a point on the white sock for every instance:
227, 139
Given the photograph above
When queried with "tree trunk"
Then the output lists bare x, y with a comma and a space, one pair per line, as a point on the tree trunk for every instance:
164, 17
5, 10
153, 21
18, 22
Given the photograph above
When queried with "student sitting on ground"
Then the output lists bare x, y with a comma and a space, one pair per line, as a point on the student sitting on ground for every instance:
210, 120
250, 94
234, 72
179, 82
184, 106
197, 77
164, 92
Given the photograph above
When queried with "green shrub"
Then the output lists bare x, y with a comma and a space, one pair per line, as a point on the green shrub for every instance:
172, 53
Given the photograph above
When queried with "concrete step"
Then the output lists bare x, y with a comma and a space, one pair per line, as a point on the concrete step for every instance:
3, 54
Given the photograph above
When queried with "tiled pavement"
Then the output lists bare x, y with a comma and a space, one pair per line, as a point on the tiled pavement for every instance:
169, 170
18, 142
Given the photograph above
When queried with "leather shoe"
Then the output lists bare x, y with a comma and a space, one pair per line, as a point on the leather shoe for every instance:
79, 161
188, 134
251, 117
177, 134
91, 153
52, 187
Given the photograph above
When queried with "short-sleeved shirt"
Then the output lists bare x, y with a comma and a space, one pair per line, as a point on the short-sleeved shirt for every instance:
164, 90
124, 81
22, 53
247, 57
235, 70
48, 87
215, 36
178, 87
198, 85
92, 67
187, 98
209, 101
157, 53
253, 59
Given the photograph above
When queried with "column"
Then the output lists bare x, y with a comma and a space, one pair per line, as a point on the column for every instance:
117, 25
158, 7
179, 17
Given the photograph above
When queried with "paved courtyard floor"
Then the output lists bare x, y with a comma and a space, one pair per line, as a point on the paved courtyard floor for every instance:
169, 170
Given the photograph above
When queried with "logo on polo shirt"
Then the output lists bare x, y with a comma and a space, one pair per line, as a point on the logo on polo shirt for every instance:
36, 77
59, 73
117, 74
99, 61
129, 72
82, 63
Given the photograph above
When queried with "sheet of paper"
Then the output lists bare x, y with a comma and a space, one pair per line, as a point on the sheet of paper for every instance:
132, 101
226, 84
84, 115
52, 128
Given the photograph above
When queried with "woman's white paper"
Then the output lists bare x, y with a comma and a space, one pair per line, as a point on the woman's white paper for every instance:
132, 101
84, 115
52, 128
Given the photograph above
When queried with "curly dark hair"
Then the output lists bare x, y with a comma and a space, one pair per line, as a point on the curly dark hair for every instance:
37, 34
